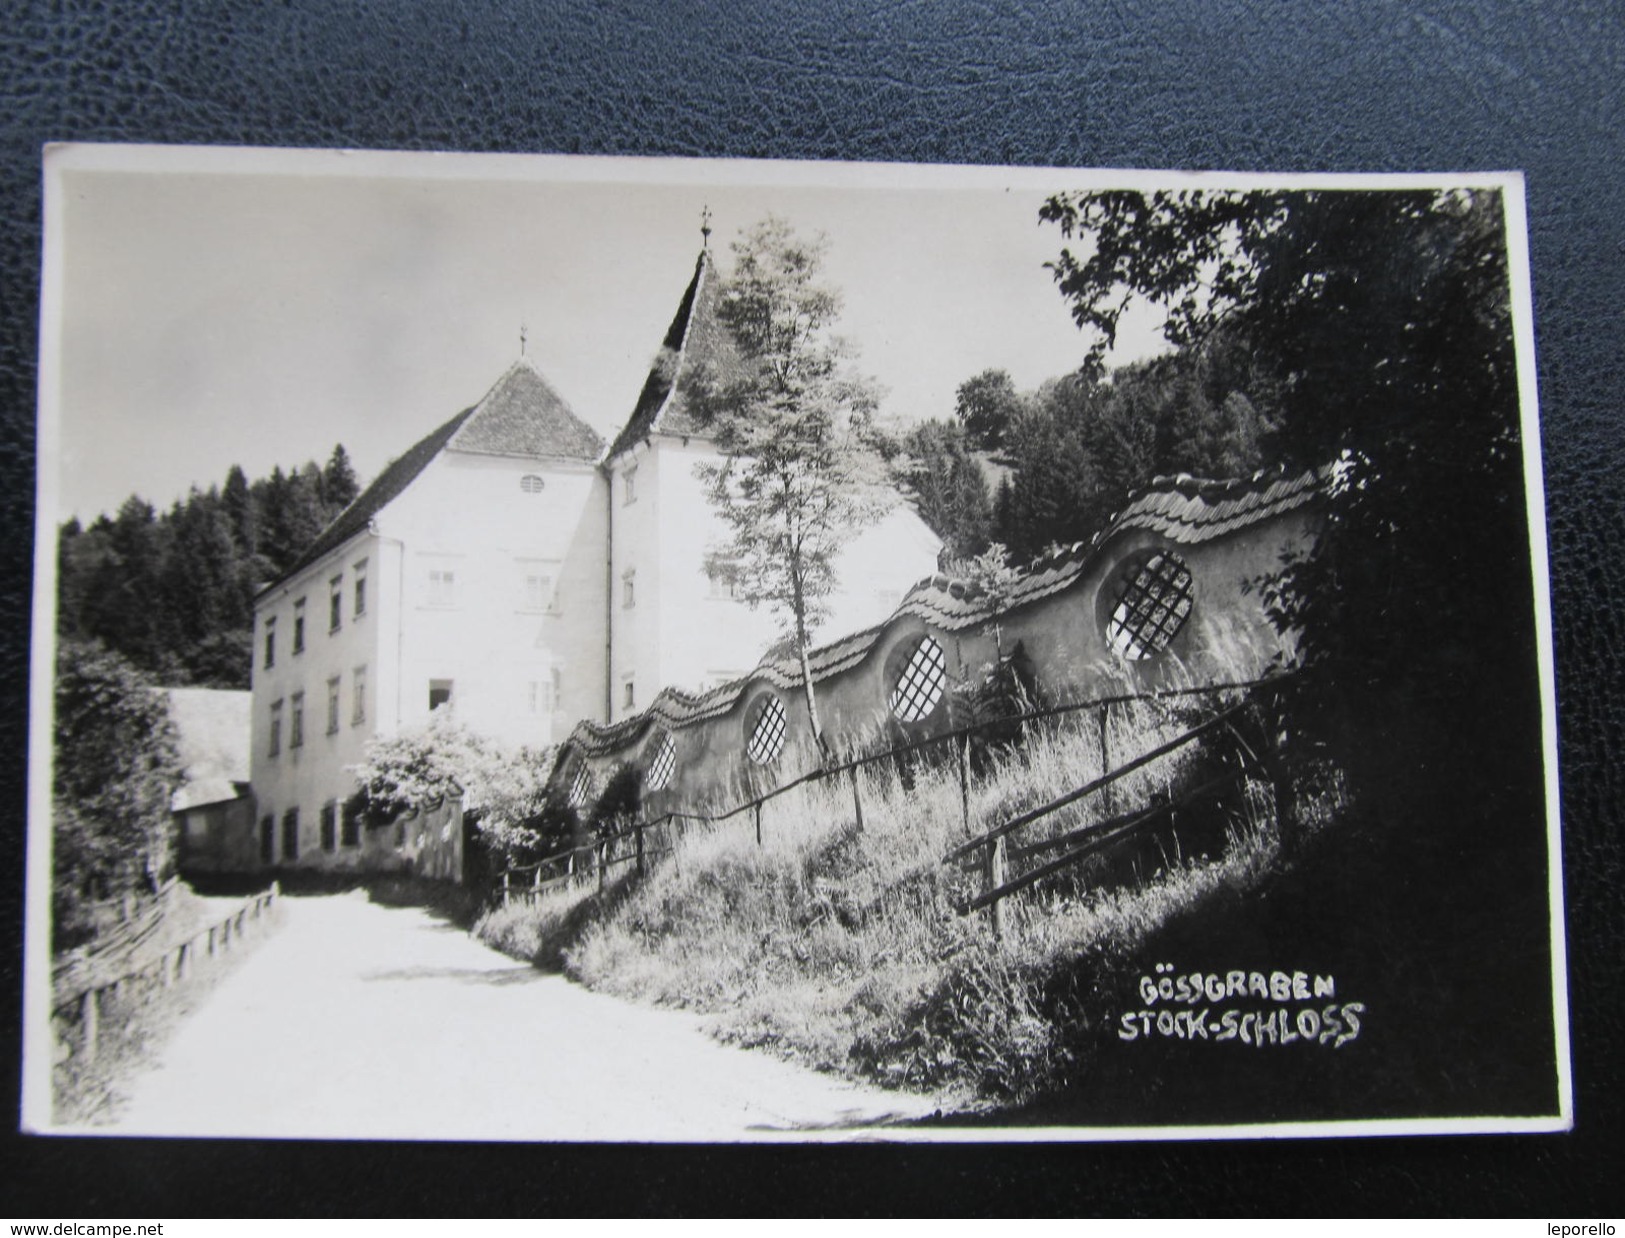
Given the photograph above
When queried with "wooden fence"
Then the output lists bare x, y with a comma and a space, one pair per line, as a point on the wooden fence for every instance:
81, 983
584, 862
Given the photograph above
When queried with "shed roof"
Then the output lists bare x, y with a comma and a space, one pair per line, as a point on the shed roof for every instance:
212, 726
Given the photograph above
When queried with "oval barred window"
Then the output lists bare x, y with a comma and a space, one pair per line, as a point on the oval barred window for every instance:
1153, 606
581, 787
530, 483
766, 730
922, 683
663, 765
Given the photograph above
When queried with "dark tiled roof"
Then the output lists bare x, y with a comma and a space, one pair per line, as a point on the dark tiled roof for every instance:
520, 416
523, 416
1183, 509
396, 477
697, 341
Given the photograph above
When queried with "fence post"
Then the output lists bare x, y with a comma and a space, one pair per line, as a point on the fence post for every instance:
758, 823
183, 960
211, 941
504, 887
90, 1020
640, 848
995, 879
1107, 793
963, 751
857, 799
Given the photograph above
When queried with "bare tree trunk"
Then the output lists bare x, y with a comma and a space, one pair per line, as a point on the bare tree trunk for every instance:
799, 602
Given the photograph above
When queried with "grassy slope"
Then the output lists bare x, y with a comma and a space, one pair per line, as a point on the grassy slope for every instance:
844, 948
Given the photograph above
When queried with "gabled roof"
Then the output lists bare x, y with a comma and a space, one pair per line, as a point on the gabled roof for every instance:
520, 416
1184, 509
696, 342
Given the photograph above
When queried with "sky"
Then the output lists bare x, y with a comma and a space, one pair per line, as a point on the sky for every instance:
209, 308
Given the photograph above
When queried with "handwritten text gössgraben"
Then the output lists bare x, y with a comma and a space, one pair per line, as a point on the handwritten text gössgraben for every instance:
1295, 1007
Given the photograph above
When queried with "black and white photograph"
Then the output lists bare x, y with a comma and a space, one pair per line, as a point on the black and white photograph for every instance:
565, 649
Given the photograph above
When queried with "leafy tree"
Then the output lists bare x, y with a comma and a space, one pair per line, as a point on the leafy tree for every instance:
949, 491
115, 767
1383, 318
412, 768
804, 464
985, 406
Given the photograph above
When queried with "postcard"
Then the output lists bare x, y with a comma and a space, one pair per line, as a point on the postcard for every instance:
551, 648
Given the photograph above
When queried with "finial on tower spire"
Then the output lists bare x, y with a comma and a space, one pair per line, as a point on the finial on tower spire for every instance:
524, 335
705, 227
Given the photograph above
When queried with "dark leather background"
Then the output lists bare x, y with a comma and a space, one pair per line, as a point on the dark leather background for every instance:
1262, 85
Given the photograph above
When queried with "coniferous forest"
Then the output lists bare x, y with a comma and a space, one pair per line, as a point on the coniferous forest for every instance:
173, 591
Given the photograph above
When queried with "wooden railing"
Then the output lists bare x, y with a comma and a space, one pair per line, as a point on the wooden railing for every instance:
528, 881
81, 983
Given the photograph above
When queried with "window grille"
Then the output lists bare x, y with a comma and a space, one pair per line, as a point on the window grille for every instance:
922, 683
335, 603
581, 787
663, 765
290, 834
299, 626
360, 589
531, 484
1152, 608
766, 730
333, 705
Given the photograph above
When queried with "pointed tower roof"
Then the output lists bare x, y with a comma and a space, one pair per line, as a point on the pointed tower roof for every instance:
523, 416
696, 341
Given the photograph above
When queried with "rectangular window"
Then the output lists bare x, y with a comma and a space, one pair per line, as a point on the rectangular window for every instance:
270, 642
358, 694
290, 834
330, 821
538, 591
630, 482
442, 586
439, 693
276, 729
629, 696
350, 825
333, 705
556, 693
335, 603
296, 723
629, 588
299, 626
359, 574
535, 697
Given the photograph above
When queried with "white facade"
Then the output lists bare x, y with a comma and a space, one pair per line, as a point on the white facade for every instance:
510, 569
676, 623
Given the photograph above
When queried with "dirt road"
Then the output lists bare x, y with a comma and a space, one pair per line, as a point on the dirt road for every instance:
359, 1021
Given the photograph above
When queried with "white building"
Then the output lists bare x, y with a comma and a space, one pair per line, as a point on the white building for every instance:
509, 567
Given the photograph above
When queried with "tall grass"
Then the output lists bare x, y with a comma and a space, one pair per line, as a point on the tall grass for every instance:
845, 948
